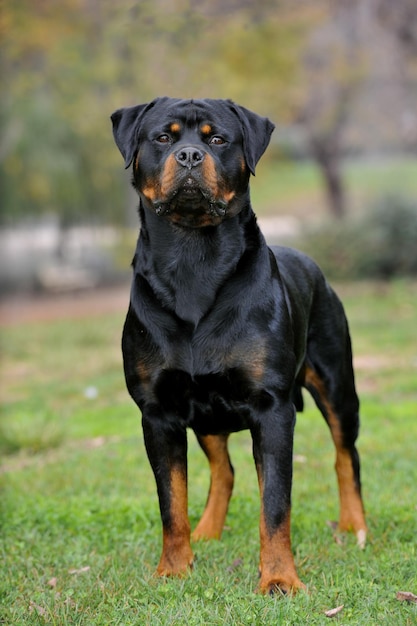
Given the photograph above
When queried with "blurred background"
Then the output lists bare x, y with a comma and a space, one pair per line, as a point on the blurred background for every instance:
339, 80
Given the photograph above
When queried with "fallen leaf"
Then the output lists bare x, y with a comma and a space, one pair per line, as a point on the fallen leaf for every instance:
333, 612
332, 525
52, 583
236, 563
79, 571
406, 596
35, 607
337, 537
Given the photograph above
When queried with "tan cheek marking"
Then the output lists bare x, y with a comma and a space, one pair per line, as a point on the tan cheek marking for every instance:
210, 175
168, 176
150, 192
198, 222
229, 195
155, 190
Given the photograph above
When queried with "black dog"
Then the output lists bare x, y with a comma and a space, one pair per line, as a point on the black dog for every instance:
222, 331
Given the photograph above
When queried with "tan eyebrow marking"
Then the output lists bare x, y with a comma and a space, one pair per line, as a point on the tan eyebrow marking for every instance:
175, 127
206, 129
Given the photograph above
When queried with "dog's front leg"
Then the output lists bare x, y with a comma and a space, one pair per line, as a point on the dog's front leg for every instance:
167, 451
273, 447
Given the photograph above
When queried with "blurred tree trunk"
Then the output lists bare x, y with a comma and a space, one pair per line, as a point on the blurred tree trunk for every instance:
333, 75
327, 155
400, 17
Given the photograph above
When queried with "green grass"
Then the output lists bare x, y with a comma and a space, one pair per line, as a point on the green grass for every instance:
80, 523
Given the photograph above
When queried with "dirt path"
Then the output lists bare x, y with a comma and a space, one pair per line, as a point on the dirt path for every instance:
25, 308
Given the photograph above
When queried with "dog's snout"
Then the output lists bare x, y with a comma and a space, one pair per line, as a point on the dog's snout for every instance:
189, 156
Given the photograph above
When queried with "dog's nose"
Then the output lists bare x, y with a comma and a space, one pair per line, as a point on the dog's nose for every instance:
189, 156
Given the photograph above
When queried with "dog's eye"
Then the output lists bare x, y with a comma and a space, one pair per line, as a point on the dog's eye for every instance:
216, 140
163, 138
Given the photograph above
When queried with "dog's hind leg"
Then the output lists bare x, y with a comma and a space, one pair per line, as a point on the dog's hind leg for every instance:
211, 523
338, 402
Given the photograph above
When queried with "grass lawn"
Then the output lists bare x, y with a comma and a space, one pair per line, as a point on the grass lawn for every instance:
80, 521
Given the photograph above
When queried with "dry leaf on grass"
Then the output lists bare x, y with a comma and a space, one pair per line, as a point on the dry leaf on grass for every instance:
333, 612
337, 537
35, 607
406, 596
332, 524
52, 583
79, 571
236, 563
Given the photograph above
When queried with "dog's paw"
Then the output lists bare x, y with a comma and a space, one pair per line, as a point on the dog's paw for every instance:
175, 564
281, 587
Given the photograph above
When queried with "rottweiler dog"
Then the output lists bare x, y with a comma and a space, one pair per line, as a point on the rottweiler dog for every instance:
222, 331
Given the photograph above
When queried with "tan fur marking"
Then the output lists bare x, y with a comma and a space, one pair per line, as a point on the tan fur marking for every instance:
210, 175
177, 555
168, 176
206, 129
352, 515
211, 523
144, 373
251, 357
257, 364
200, 221
229, 195
150, 192
175, 127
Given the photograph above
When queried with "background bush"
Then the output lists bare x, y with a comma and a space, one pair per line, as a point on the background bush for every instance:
380, 244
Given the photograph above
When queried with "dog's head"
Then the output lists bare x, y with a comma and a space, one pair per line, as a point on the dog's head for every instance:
191, 158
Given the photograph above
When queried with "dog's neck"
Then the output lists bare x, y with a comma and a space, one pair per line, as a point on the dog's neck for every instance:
186, 268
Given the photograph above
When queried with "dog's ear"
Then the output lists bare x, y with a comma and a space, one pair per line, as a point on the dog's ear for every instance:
126, 126
256, 134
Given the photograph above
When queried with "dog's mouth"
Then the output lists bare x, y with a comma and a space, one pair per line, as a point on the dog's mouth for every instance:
192, 203
190, 185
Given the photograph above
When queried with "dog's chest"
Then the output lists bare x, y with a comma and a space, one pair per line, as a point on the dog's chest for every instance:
210, 403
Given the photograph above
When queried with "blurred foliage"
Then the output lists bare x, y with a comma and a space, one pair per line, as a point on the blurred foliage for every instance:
338, 71
66, 66
379, 244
